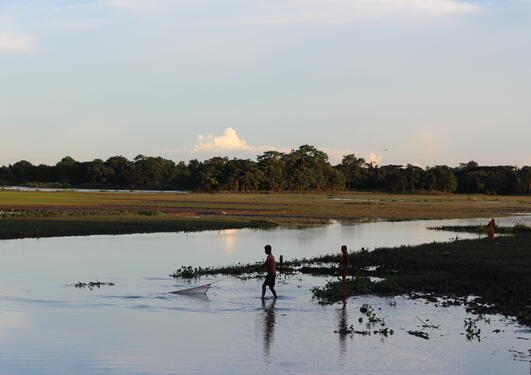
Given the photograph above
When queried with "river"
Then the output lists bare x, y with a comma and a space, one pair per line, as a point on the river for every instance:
136, 327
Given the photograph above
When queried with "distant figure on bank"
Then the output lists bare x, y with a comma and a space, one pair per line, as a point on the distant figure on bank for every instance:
491, 228
271, 267
344, 263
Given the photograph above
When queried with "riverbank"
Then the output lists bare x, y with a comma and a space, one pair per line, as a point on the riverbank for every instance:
44, 214
63, 226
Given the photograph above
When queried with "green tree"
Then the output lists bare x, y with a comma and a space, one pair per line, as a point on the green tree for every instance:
353, 169
272, 165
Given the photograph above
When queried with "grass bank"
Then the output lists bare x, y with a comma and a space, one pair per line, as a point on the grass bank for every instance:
482, 229
497, 271
61, 226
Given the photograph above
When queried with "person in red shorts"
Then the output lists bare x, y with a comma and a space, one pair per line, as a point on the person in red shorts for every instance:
271, 267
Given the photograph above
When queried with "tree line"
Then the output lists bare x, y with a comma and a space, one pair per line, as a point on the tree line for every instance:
302, 169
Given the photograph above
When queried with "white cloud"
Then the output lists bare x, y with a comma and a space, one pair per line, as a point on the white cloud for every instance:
229, 141
11, 42
372, 158
336, 155
346, 11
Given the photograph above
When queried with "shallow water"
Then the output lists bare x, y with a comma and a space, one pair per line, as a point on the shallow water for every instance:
136, 327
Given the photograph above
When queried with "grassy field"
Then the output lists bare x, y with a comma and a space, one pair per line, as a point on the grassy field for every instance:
71, 213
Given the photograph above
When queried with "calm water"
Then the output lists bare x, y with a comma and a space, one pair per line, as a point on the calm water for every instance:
135, 327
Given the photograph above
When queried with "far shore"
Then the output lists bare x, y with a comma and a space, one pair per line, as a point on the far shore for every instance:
35, 214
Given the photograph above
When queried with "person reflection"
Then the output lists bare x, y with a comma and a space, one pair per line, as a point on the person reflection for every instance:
269, 315
342, 327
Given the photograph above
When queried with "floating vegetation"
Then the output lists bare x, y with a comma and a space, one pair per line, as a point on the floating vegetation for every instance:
241, 271
384, 332
471, 329
482, 229
189, 272
372, 317
352, 331
92, 284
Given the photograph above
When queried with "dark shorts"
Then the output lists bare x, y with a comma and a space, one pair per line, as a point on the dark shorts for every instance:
270, 280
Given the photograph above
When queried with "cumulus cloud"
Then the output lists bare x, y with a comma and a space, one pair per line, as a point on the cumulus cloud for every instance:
229, 141
336, 155
374, 159
346, 11
11, 42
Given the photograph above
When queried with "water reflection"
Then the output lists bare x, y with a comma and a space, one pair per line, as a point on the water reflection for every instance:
342, 326
269, 316
229, 238
12, 319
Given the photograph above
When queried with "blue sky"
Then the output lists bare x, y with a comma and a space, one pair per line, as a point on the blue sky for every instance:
398, 81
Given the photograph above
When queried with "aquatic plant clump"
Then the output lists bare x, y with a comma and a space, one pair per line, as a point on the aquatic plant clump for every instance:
92, 284
350, 330
241, 271
482, 229
189, 272
372, 320
471, 329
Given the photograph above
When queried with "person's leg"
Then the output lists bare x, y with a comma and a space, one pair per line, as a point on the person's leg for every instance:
263, 289
272, 285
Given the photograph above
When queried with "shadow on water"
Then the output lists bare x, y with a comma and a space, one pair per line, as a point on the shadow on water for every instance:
269, 316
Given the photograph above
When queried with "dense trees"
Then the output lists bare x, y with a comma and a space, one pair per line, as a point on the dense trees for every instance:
302, 169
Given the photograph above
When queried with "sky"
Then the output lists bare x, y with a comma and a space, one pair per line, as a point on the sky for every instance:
425, 82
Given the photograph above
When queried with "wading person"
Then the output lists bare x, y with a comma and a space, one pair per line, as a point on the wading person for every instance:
343, 268
271, 267
491, 228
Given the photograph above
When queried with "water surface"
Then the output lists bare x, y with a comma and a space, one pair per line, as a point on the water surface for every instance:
136, 327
